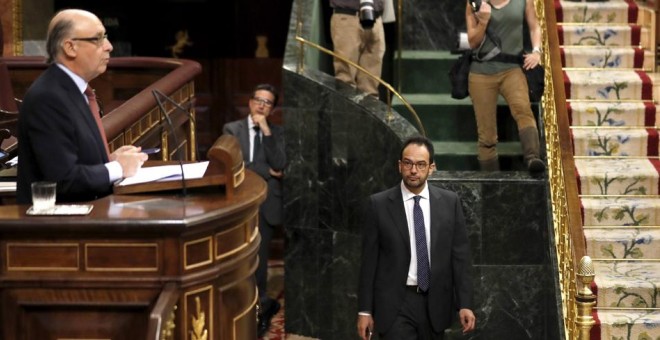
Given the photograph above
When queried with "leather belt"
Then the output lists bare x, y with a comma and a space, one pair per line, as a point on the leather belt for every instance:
349, 11
415, 289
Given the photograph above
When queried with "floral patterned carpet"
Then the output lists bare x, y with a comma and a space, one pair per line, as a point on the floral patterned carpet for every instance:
607, 55
276, 290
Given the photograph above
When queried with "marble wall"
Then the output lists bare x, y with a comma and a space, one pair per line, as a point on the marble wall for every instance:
342, 147
431, 25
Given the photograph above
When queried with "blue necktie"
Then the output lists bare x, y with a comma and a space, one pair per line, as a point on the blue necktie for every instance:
423, 269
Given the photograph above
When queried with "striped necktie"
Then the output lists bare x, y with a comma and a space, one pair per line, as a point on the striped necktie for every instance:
96, 112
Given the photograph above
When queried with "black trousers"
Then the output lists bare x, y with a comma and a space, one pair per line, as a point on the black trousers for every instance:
412, 322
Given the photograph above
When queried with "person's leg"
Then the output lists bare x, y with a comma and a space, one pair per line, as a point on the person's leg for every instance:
514, 90
404, 325
345, 32
371, 58
261, 274
268, 307
413, 321
484, 90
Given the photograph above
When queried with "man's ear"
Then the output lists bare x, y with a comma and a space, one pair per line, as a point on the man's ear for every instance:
70, 49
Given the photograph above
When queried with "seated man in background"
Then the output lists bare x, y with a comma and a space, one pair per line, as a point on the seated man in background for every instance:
60, 135
262, 145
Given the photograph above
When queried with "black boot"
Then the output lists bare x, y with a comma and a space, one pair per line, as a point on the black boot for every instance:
529, 139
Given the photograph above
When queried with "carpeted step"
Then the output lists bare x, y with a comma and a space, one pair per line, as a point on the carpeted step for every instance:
450, 120
605, 57
610, 85
617, 176
627, 284
620, 210
613, 11
615, 141
603, 35
613, 113
627, 325
424, 71
619, 242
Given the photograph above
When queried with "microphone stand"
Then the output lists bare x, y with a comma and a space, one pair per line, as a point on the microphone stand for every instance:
157, 94
180, 108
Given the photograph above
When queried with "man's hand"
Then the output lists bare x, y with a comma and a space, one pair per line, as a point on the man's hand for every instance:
130, 159
275, 174
365, 326
467, 320
260, 120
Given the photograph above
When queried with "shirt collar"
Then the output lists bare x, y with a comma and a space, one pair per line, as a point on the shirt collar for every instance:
80, 83
407, 194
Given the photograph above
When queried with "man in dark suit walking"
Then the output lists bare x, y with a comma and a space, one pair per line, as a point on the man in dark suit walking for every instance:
60, 135
262, 145
415, 270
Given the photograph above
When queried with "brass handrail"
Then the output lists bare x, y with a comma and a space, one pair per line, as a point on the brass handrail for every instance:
389, 87
567, 223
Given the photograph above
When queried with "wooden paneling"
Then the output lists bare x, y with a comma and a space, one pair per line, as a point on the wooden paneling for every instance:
100, 276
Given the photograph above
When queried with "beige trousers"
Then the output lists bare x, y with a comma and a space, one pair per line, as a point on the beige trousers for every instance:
484, 90
363, 47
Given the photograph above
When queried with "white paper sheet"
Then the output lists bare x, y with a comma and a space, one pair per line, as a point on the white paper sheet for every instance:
166, 173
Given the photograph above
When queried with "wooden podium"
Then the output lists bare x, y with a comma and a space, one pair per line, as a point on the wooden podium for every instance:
141, 266
226, 168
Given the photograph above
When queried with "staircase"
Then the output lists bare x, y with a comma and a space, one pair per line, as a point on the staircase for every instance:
450, 123
608, 60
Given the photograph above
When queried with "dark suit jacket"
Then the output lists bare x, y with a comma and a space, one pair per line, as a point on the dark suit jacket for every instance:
272, 155
59, 141
386, 258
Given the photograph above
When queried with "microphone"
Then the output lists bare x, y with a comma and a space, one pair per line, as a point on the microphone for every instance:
180, 108
159, 95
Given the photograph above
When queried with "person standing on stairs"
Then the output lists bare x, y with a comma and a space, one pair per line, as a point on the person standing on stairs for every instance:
262, 145
489, 79
360, 41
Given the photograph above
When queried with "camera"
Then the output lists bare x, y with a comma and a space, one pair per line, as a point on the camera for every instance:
475, 4
367, 14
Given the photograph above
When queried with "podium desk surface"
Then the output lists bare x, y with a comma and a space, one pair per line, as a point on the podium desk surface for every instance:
144, 212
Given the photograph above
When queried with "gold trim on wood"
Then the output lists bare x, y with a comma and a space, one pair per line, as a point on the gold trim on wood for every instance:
74, 246
126, 245
209, 291
239, 176
252, 306
170, 325
187, 266
198, 322
245, 226
17, 27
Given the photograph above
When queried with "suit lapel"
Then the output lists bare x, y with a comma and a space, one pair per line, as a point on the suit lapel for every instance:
244, 139
436, 216
82, 109
398, 212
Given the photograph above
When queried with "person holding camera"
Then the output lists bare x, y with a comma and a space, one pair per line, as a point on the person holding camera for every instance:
504, 20
356, 28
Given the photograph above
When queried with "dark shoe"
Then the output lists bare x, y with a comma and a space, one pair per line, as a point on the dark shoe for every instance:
263, 323
535, 165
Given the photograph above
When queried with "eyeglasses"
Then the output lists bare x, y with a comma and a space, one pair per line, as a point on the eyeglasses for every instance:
263, 101
421, 166
97, 40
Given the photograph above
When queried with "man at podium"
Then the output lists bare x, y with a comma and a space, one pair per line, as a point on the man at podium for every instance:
262, 145
59, 126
